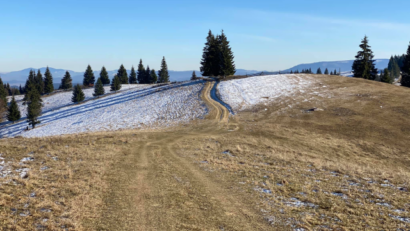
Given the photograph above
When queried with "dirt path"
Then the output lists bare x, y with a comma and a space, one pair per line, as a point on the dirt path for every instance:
154, 188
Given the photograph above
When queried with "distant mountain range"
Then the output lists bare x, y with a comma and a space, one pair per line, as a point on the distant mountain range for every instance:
19, 77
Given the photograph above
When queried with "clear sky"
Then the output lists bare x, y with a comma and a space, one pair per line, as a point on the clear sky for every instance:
265, 35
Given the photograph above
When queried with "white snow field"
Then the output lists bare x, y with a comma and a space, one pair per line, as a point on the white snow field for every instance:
138, 107
241, 94
63, 99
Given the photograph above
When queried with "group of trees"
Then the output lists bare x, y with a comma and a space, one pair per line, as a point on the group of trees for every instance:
217, 57
318, 72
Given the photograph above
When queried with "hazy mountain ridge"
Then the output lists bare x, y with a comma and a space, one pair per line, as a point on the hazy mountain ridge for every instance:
19, 77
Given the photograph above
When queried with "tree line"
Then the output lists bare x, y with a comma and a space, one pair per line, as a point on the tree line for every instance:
37, 85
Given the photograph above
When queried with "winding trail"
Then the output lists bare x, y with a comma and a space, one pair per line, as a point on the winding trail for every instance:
154, 187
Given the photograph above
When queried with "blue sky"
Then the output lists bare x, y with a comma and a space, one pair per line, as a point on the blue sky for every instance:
265, 35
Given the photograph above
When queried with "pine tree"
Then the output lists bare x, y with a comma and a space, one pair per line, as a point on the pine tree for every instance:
115, 83
133, 76
335, 72
39, 82
193, 77
78, 94
154, 76
34, 106
89, 78
386, 76
363, 66
210, 57
291, 71
163, 73
3, 95
122, 74
406, 62
13, 112
310, 70
148, 75
226, 62
66, 81
394, 68
105, 79
29, 87
319, 71
141, 72
98, 88
331, 72
9, 91
21, 90
326, 71
48, 82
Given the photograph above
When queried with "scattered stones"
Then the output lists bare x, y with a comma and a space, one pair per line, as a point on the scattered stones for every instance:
44, 168
25, 159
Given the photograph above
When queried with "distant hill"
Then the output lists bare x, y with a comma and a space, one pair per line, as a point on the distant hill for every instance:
19, 77
345, 66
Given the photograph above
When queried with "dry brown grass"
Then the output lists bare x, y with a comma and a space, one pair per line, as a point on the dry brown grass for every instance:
180, 179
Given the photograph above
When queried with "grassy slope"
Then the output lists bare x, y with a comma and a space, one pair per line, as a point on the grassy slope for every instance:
179, 178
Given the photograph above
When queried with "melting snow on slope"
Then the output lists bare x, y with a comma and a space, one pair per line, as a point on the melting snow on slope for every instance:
134, 108
241, 94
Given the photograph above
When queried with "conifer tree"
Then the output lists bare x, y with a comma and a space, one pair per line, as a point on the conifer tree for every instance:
291, 71
30, 85
13, 112
331, 72
115, 83
193, 77
48, 82
141, 72
98, 88
210, 57
406, 62
394, 68
363, 66
34, 106
21, 90
3, 94
78, 94
39, 82
154, 76
122, 74
163, 73
335, 72
148, 76
226, 62
319, 72
133, 76
326, 71
89, 78
104, 76
385, 78
66, 81
8, 88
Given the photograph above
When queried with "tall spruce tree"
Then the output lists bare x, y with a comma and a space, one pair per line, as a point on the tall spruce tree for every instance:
39, 82
163, 73
122, 74
319, 71
406, 62
133, 76
98, 88
115, 83
326, 71
78, 94
3, 95
210, 57
363, 66
141, 72
385, 78
394, 68
66, 81
148, 75
154, 76
29, 87
48, 82
89, 77
105, 79
193, 77
226, 62
34, 106
13, 112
